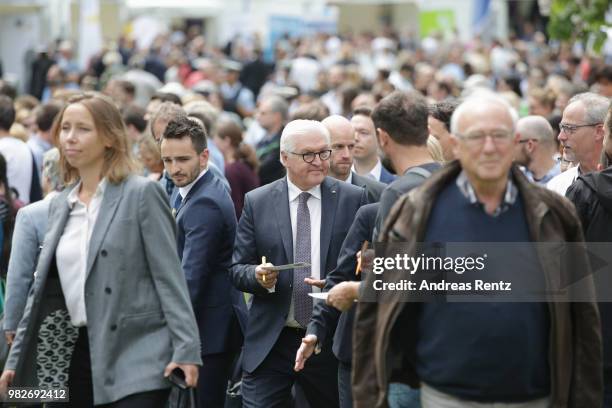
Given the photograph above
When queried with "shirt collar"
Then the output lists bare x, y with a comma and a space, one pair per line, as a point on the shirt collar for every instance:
183, 191
374, 173
295, 191
377, 170
468, 192
73, 196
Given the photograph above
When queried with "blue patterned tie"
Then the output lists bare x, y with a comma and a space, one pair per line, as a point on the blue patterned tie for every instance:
177, 203
302, 302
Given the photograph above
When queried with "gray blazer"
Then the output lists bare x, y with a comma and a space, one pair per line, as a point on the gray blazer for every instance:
138, 310
30, 227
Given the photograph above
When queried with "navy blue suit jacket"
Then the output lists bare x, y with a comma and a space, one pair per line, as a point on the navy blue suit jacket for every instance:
386, 177
206, 223
265, 230
324, 317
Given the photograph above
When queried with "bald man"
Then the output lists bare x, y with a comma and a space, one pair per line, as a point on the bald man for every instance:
536, 149
342, 144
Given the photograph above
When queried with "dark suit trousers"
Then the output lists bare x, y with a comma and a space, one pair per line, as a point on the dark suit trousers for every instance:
269, 386
80, 384
212, 381
344, 385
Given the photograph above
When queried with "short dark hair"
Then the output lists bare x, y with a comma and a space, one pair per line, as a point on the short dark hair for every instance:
46, 114
363, 111
403, 115
182, 127
443, 111
7, 112
167, 97
604, 74
8, 90
134, 115
315, 110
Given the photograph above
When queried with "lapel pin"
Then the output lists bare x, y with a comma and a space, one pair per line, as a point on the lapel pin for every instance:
174, 212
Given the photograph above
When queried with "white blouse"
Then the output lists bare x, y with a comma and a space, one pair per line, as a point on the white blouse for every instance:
72, 250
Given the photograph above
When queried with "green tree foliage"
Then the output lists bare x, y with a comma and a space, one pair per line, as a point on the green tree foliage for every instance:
580, 20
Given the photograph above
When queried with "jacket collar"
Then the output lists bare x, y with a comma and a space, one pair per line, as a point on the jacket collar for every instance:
424, 196
110, 200
205, 178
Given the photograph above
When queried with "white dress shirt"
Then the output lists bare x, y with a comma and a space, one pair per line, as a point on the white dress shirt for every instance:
18, 165
73, 248
559, 184
183, 191
314, 207
374, 173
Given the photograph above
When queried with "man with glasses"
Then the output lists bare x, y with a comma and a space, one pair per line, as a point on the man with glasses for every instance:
303, 217
592, 196
581, 135
477, 354
536, 148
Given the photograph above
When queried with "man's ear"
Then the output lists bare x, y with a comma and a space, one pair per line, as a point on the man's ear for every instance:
382, 137
600, 133
283, 158
454, 142
531, 145
203, 158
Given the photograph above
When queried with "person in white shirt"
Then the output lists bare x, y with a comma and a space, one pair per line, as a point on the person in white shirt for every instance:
104, 285
17, 154
581, 135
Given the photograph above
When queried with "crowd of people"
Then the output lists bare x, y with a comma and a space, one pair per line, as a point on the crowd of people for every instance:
168, 213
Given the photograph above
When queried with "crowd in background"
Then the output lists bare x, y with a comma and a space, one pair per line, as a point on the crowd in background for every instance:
243, 101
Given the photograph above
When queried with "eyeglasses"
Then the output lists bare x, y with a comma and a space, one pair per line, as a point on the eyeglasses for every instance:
499, 137
310, 156
571, 129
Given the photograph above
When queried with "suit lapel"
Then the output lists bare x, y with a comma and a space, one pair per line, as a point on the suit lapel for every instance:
111, 198
356, 180
283, 218
329, 203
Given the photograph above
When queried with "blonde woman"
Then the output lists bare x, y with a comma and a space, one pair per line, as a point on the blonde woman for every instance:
109, 314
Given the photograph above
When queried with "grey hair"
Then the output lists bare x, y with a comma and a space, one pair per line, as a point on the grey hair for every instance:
206, 113
596, 106
301, 127
279, 105
536, 127
482, 98
166, 111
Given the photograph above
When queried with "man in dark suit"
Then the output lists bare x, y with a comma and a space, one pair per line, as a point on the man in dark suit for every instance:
367, 161
325, 316
301, 218
342, 144
206, 231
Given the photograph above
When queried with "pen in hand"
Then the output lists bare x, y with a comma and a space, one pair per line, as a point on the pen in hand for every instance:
263, 262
